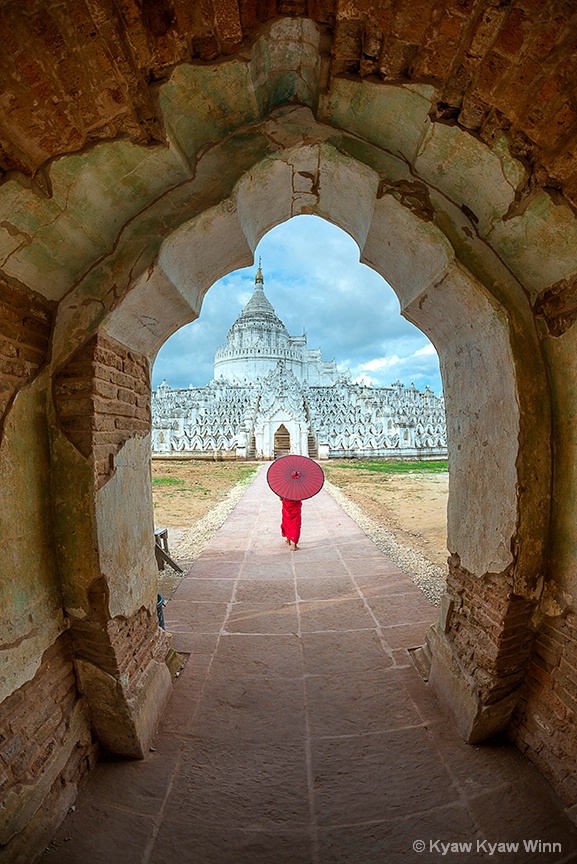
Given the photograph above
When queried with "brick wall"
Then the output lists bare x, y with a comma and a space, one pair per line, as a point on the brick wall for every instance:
489, 626
25, 327
122, 647
102, 400
35, 729
499, 68
545, 722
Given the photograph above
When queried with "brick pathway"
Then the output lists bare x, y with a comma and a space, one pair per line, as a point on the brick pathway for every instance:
299, 730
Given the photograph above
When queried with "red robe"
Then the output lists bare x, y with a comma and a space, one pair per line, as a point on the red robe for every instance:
290, 526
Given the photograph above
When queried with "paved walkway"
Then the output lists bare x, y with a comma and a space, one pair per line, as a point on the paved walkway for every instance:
299, 731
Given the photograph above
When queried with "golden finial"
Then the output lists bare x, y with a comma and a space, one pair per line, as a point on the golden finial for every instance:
259, 276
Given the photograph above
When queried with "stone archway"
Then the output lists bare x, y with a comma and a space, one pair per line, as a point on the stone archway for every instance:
473, 330
127, 240
489, 401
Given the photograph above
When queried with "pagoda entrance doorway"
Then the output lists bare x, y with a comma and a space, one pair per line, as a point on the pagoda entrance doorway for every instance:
282, 441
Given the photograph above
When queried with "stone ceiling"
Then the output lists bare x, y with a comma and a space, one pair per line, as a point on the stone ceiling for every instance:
83, 71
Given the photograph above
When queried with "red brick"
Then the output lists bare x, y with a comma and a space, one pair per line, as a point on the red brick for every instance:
109, 439
107, 358
127, 396
122, 379
551, 633
10, 316
41, 759
486, 31
511, 37
36, 323
569, 700
13, 369
105, 389
131, 368
72, 406
102, 423
125, 423
494, 79
79, 368
550, 655
37, 712
72, 387
115, 407
567, 675
8, 348
142, 388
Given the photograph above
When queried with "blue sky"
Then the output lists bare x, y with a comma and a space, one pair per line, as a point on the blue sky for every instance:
314, 280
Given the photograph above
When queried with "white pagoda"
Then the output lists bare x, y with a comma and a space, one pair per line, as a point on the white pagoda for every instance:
271, 395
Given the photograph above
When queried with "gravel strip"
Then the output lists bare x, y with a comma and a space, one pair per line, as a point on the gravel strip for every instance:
428, 577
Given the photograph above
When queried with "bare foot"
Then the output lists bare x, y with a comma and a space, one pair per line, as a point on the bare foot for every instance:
287, 541
294, 547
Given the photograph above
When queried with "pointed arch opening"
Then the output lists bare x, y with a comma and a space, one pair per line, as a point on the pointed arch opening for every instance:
282, 441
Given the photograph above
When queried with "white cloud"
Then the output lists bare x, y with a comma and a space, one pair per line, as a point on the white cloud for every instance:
364, 379
381, 363
426, 350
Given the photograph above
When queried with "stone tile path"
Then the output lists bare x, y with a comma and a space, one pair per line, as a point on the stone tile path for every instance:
299, 731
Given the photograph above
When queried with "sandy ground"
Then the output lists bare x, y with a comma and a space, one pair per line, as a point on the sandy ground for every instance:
412, 506
185, 491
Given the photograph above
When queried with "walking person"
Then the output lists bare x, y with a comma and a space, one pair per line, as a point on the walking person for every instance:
294, 478
291, 521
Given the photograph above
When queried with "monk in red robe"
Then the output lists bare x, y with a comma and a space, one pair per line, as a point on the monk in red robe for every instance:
290, 526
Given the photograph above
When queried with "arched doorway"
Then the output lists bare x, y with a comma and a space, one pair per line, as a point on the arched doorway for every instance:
489, 397
480, 258
282, 441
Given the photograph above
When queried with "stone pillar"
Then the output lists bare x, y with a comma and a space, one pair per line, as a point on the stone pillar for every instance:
45, 739
105, 537
480, 649
499, 450
497, 515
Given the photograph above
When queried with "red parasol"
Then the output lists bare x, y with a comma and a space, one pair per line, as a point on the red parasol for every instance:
295, 477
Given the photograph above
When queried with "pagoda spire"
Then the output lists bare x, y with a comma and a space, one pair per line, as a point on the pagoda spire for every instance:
259, 277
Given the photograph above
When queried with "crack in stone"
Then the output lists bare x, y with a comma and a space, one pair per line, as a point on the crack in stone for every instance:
8, 646
116, 242
414, 195
31, 238
13, 231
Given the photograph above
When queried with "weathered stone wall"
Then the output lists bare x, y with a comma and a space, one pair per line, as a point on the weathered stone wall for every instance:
112, 650
545, 722
25, 327
487, 625
102, 399
45, 748
29, 595
499, 67
46, 744
105, 530
121, 670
